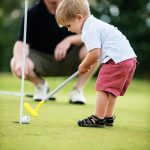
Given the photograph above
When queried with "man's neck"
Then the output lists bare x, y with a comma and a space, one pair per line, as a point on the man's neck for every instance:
51, 6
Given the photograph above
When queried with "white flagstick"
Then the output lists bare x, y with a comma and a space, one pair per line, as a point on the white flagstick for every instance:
23, 61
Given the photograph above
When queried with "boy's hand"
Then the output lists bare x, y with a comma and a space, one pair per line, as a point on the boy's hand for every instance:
83, 68
89, 61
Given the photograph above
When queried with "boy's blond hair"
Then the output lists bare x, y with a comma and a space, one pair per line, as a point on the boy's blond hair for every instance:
68, 9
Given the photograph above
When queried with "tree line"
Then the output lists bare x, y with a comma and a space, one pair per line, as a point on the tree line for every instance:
132, 18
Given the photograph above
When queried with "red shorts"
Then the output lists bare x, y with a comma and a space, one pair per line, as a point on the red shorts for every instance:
115, 78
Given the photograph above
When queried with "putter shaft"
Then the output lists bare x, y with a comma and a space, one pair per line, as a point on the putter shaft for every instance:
32, 111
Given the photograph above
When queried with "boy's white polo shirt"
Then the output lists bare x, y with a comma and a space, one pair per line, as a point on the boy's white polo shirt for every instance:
114, 45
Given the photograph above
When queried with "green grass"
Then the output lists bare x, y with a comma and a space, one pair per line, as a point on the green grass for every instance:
56, 129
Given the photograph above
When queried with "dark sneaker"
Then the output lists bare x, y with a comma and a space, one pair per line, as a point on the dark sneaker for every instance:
110, 120
92, 121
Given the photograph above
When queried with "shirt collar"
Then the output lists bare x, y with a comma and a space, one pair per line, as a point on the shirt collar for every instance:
87, 22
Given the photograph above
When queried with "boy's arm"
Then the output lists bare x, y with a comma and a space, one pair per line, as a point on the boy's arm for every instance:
89, 60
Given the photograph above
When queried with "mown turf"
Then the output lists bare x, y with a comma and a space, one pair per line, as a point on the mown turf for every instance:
56, 129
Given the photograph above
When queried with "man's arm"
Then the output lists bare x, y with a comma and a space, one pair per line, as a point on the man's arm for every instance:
74, 39
62, 47
16, 64
17, 51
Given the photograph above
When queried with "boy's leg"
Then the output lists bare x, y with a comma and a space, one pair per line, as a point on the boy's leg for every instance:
109, 117
102, 100
111, 105
105, 103
97, 120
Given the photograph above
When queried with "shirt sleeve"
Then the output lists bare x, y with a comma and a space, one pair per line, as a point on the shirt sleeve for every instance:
91, 38
20, 34
30, 29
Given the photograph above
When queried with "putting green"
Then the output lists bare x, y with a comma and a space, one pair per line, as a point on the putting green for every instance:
55, 128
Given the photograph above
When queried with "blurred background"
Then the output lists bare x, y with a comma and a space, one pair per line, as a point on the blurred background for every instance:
131, 17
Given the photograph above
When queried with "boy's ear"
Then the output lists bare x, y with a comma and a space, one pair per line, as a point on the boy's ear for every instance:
79, 16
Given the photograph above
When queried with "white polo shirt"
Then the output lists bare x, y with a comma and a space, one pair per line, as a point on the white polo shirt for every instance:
114, 45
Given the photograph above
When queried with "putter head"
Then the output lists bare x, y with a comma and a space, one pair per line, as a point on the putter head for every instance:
30, 110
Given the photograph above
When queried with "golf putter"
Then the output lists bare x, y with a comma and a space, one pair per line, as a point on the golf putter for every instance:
32, 111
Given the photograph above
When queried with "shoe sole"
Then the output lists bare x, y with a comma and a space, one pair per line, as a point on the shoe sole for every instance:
77, 102
94, 126
110, 125
31, 96
50, 99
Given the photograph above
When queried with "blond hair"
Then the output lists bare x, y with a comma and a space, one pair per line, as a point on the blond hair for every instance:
68, 9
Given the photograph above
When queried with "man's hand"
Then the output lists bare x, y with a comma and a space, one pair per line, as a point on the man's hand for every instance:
16, 62
61, 49
18, 67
